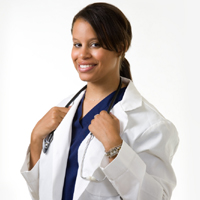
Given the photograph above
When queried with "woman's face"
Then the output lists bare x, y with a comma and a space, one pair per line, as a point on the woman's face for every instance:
92, 62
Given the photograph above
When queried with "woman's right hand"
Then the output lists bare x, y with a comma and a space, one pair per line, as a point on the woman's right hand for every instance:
46, 125
49, 122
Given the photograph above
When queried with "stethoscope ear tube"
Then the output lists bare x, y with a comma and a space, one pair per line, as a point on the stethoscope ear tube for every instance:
49, 138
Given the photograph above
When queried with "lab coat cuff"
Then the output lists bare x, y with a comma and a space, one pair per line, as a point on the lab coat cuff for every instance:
30, 175
127, 159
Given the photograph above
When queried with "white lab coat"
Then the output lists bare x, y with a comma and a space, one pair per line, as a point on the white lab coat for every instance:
141, 171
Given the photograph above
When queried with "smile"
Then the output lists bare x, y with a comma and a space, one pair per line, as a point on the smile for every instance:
86, 66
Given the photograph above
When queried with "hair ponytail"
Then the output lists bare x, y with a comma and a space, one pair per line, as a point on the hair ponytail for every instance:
125, 69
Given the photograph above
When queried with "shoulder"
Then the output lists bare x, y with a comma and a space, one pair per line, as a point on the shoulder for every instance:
150, 113
135, 105
149, 131
148, 117
144, 120
145, 129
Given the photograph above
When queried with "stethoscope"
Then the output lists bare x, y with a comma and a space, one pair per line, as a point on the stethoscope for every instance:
49, 138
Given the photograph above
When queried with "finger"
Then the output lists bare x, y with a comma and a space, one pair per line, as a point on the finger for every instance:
106, 116
62, 114
96, 116
64, 109
91, 126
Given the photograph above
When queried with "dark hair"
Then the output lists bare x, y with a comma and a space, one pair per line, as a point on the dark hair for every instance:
112, 28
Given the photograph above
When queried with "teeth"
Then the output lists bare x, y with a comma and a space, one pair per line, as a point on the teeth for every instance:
85, 66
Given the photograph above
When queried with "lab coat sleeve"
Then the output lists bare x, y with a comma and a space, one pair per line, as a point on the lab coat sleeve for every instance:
31, 177
142, 171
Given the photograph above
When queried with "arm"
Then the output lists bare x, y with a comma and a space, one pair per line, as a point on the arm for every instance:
30, 169
143, 171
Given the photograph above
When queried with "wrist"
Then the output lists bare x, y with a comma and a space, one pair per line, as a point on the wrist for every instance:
36, 142
35, 150
113, 152
113, 144
35, 138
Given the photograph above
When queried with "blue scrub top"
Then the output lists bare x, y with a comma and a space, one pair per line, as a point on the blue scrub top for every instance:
79, 132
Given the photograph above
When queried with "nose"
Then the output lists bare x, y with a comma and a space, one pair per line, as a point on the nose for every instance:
84, 53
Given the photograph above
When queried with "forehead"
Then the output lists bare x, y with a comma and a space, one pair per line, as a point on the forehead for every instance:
82, 29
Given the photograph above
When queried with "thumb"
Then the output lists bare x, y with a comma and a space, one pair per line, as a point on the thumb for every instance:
64, 109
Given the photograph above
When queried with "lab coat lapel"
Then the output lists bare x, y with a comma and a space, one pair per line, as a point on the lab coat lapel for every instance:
130, 101
62, 140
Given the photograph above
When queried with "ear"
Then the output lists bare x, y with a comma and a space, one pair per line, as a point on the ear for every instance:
127, 47
122, 49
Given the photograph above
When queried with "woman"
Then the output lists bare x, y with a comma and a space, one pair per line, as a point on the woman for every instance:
139, 142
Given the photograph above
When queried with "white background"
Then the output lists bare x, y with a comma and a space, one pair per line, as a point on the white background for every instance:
36, 73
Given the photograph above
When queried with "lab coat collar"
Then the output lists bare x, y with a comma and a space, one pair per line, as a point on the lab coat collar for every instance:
132, 98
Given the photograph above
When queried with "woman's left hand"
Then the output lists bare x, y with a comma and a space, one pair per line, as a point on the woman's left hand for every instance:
105, 127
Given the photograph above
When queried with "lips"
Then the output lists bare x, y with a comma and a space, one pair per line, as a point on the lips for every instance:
86, 67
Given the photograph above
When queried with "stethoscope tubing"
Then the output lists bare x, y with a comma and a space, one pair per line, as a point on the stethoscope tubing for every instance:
49, 138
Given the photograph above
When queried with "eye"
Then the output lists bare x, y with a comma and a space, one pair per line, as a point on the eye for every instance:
77, 45
95, 44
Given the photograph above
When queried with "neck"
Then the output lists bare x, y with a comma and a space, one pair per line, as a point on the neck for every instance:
98, 91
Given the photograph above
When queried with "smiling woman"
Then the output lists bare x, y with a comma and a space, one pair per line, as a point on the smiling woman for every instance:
93, 63
127, 154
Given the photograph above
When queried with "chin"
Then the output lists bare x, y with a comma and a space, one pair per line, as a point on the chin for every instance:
85, 77
88, 78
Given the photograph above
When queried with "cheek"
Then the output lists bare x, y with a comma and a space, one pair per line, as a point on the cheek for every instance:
74, 55
105, 56
100, 56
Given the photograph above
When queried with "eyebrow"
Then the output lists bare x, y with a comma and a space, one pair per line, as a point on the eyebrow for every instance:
89, 39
